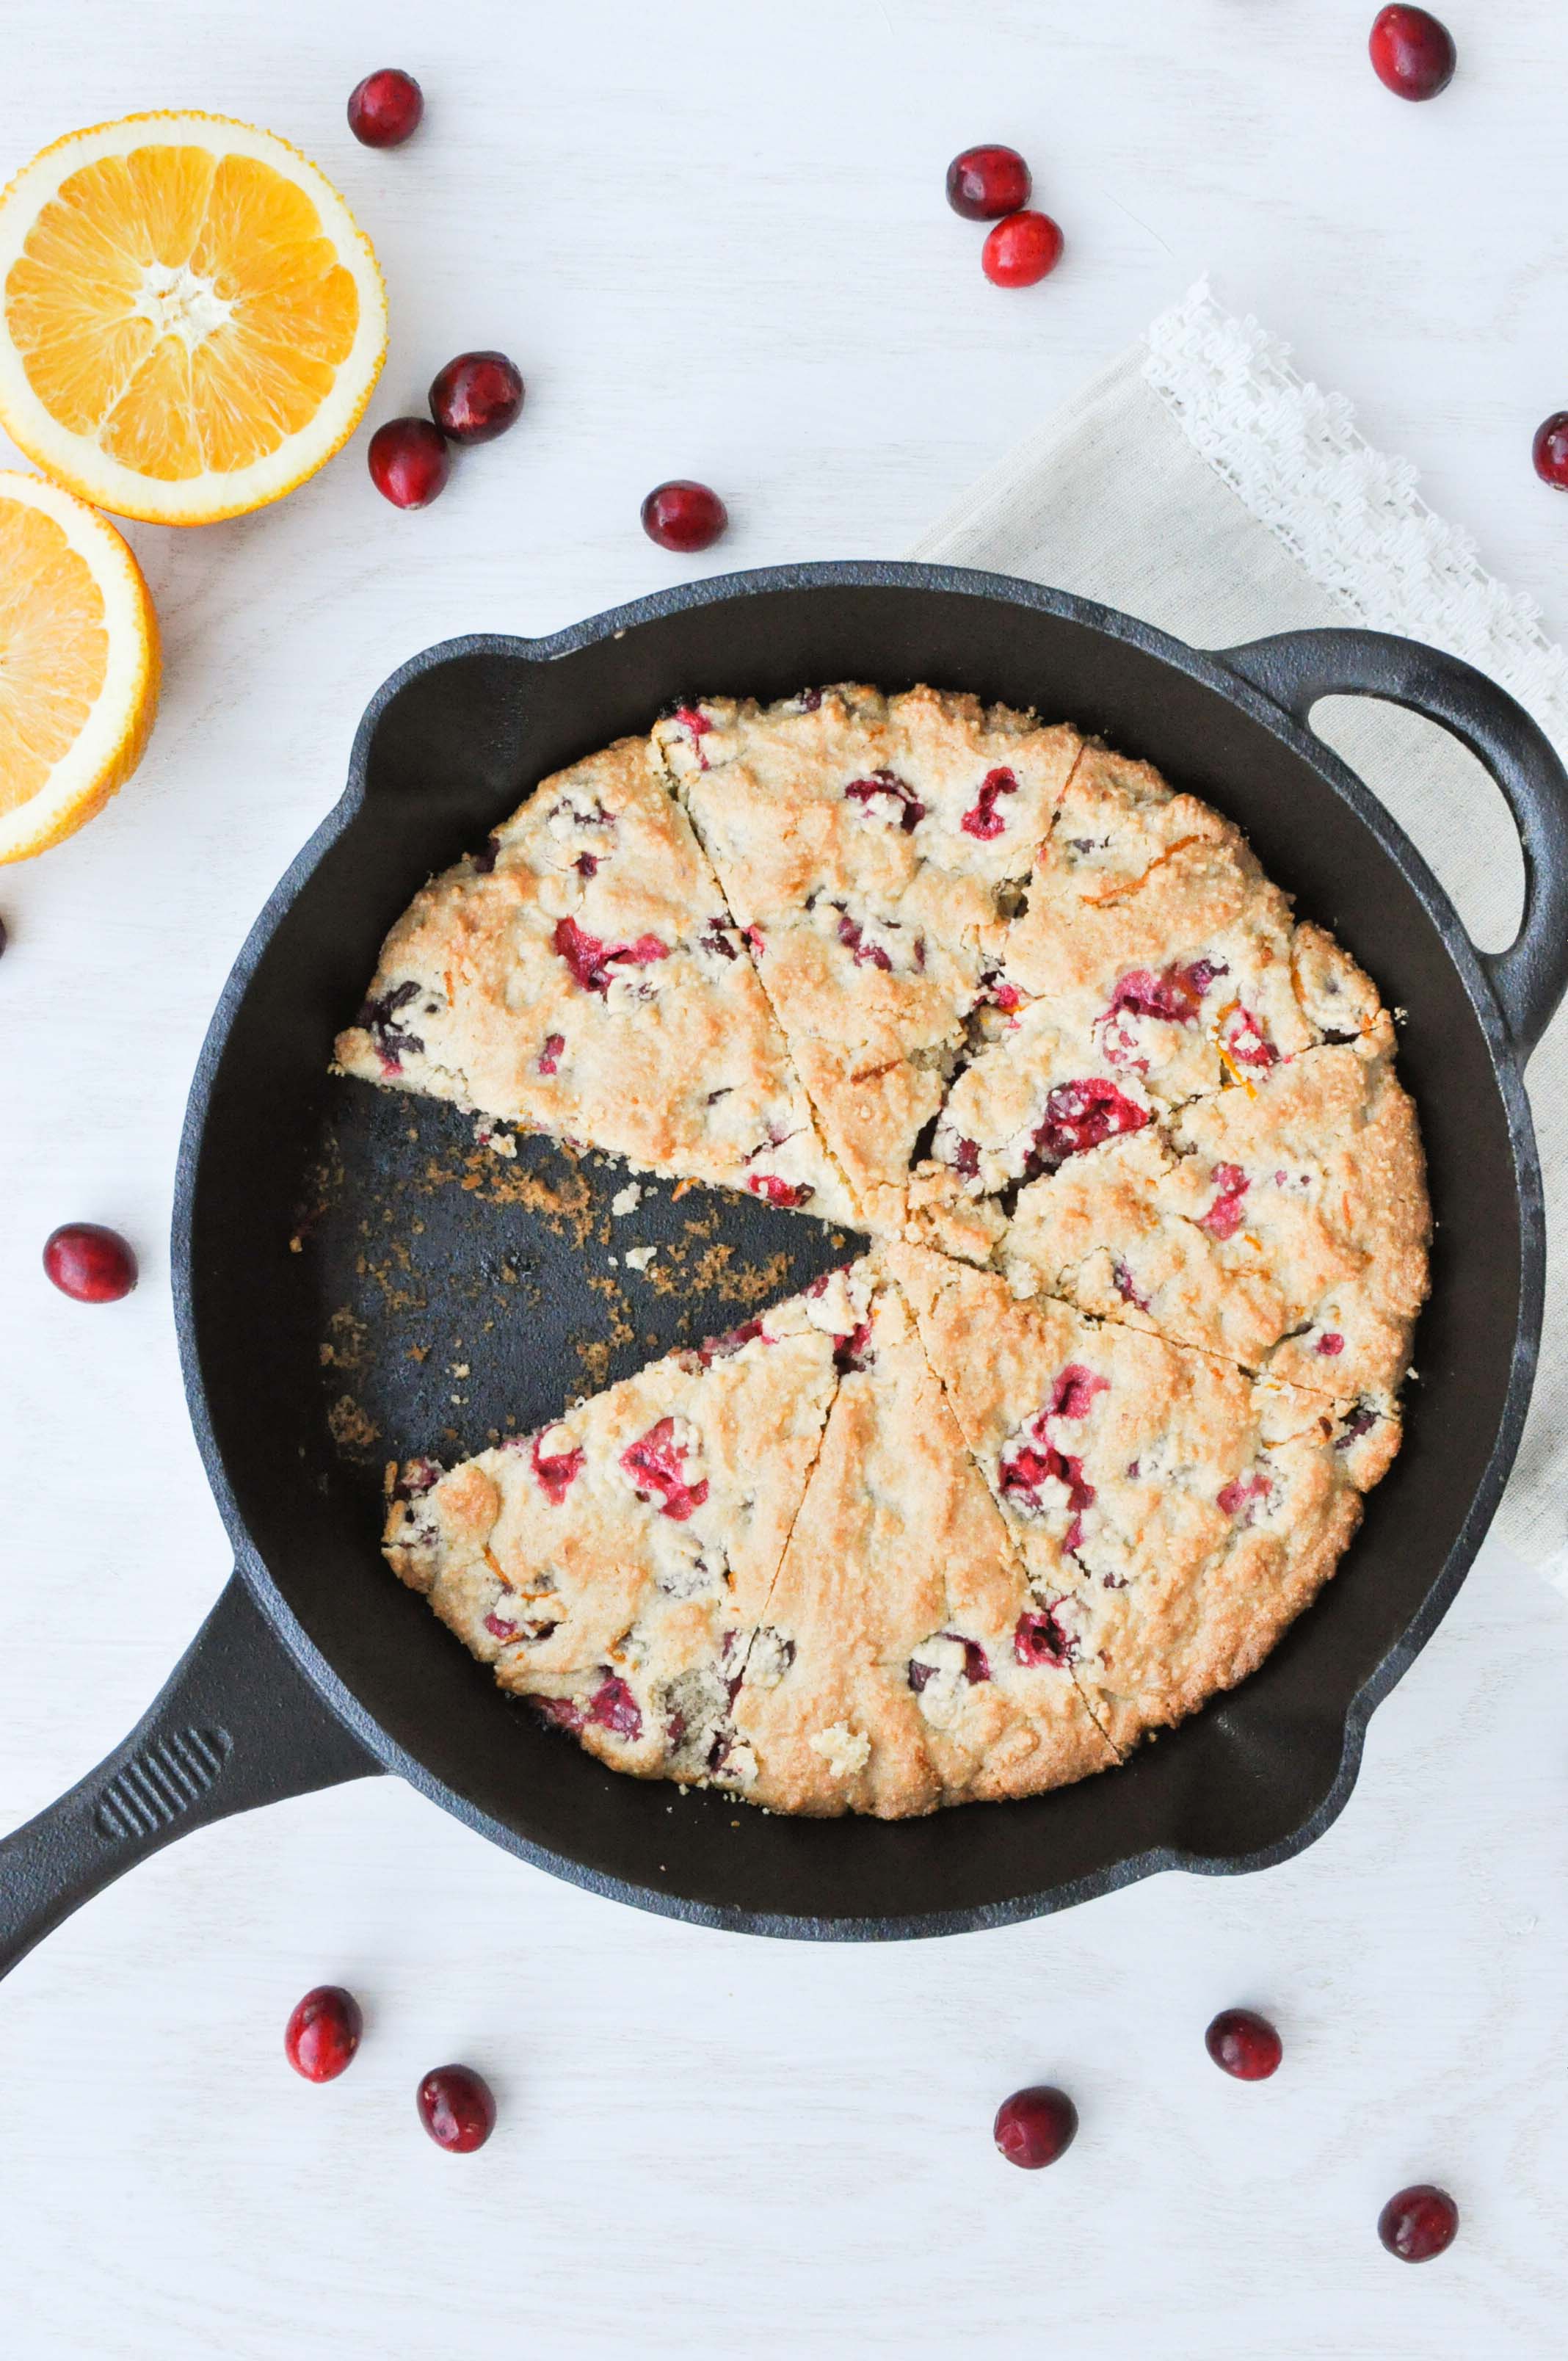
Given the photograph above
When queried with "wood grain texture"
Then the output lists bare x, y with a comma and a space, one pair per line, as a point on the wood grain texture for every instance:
714, 239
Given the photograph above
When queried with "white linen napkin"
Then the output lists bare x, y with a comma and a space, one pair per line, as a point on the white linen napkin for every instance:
1204, 486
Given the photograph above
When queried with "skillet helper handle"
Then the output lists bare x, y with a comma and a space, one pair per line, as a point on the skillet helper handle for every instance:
1298, 667
235, 1726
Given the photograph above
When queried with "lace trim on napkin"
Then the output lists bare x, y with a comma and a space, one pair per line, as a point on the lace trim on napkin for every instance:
1353, 516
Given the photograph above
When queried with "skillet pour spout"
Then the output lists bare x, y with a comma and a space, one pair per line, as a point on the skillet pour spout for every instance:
314, 1667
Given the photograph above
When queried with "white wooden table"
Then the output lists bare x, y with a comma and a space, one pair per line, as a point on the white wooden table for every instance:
714, 236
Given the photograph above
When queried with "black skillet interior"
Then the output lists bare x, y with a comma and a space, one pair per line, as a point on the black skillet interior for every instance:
366, 1279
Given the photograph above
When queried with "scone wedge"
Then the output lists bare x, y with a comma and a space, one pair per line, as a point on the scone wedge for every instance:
894, 1680
867, 846
580, 977
1283, 1226
1152, 962
1174, 1515
614, 1567
771, 1567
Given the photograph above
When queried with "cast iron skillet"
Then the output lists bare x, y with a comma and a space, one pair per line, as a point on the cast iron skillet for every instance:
323, 1234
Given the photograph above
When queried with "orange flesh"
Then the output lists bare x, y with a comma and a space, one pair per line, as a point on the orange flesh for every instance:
54, 649
183, 310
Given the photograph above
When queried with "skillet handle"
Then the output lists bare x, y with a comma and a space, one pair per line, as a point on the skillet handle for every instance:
1297, 668
235, 1725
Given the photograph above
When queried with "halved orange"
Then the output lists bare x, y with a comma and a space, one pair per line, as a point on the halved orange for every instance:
189, 322
78, 664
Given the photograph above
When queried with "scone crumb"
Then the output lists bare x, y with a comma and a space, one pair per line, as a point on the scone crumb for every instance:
638, 1258
626, 1200
845, 1750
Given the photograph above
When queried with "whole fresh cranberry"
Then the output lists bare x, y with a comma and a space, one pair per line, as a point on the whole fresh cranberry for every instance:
1243, 2044
409, 462
89, 1263
1021, 250
1035, 2126
476, 397
1419, 2222
684, 516
1550, 450
385, 108
1413, 54
456, 2108
323, 2034
983, 183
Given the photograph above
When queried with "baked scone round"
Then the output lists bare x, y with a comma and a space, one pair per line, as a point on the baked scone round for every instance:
1090, 1423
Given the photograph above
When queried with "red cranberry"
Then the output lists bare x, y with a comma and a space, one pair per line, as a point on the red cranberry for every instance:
90, 1264
476, 397
1035, 2126
323, 2034
1038, 1639
1021, 250
1078, 1116
1073, 1391
1413, 54
1226, 1214
385, 108
655, 1464
456, 2108
557, 1472
779, 1191
1419, 2222
1550, 450
984, 822
983, 183
684, 516
409, 462
1243, 2044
